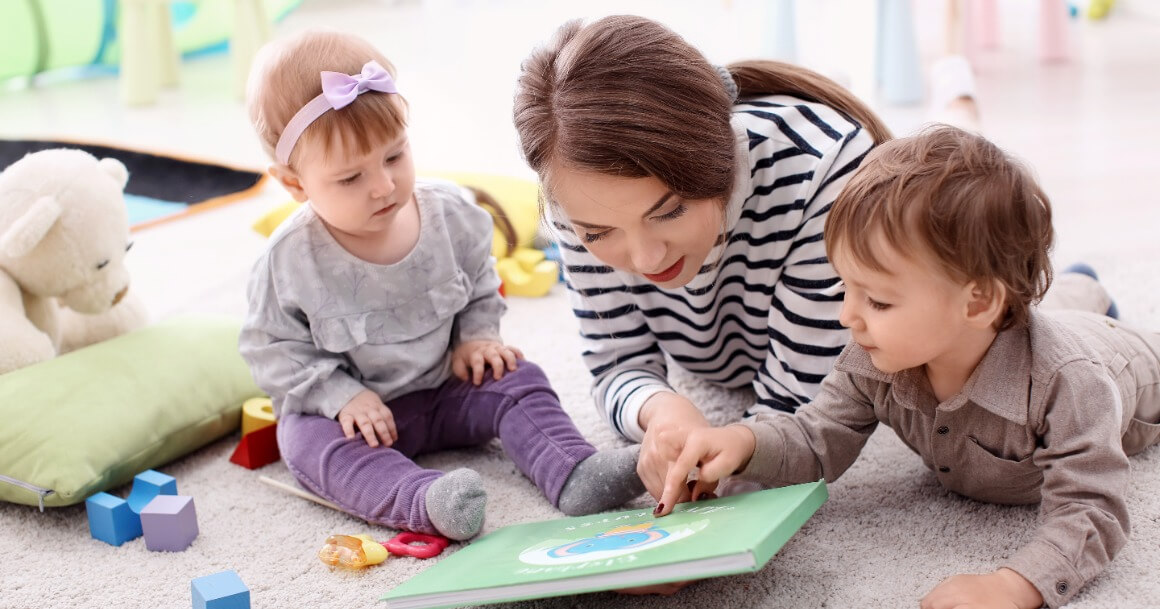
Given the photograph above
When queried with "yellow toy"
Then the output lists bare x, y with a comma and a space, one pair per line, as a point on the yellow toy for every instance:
352, 551
527, 272
270, 220
257, 413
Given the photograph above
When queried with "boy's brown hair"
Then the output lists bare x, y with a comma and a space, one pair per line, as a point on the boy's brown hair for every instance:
957, 198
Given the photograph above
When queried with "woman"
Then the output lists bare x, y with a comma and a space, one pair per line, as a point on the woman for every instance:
689, 203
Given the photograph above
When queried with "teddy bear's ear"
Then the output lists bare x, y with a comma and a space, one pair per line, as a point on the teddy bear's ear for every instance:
116, 170
30, 228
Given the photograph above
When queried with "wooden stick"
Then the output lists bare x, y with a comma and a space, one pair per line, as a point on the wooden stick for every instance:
297, 491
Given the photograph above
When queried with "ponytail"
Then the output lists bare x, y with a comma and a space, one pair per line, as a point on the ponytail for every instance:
758, 77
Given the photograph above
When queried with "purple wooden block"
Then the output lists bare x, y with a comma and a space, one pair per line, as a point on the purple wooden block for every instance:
169, 523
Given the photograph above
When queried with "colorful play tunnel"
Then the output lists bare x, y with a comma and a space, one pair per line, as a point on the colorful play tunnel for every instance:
38, 36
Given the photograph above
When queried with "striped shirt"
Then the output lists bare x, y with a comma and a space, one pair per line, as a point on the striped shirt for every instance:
764, 307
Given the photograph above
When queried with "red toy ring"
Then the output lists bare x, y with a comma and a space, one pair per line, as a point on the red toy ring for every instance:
429, 546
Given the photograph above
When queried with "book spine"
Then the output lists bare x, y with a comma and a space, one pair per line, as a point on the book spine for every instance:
790, 525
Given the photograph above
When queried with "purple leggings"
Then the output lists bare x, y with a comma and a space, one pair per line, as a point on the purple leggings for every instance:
384, 486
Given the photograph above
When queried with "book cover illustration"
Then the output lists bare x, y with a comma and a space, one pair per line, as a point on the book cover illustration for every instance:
614, 550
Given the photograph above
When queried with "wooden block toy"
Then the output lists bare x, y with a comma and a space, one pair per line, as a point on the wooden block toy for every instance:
223, 590
111, 520
256, 414
169, 523
257, 449
149, 484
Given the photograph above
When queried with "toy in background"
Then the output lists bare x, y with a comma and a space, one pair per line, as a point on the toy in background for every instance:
1093, 9
64, 233
259, 445
525, 269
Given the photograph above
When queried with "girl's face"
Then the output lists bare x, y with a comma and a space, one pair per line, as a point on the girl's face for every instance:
638, 225
359, 195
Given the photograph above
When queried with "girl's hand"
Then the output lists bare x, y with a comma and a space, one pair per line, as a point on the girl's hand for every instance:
717, 452
473, 356
1003, 589
372, 418
667, 419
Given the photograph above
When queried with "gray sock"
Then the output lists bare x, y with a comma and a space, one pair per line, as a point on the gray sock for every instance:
456, 502
601, 482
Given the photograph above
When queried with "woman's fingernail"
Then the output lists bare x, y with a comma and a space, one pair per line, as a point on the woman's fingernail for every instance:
658, 509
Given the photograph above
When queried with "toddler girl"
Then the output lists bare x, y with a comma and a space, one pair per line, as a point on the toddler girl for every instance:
375, 311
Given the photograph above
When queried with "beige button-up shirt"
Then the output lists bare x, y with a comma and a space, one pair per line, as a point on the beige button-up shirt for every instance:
1049, 415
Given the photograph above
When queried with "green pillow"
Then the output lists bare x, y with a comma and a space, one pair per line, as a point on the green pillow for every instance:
92, 419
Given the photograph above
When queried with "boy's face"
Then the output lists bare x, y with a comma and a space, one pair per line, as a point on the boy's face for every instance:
359, 195
910, 316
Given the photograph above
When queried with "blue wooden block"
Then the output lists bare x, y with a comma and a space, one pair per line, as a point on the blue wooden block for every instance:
223, 590
111, 520
149, 484
169, 523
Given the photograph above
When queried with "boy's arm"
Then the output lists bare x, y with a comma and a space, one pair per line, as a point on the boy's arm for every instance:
1083, 514
821, 440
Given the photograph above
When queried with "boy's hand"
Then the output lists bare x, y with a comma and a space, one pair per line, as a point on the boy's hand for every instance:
1004, 589
473, 356
367, 412
717, 452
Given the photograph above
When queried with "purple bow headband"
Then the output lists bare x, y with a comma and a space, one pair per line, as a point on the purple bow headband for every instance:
338, 91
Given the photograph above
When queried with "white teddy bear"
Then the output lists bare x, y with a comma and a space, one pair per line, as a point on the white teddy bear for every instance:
64, 232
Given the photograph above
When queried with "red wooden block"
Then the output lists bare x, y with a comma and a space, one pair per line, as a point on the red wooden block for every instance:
257, 448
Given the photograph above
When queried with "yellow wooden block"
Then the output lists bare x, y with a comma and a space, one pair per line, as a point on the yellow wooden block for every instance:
257, 413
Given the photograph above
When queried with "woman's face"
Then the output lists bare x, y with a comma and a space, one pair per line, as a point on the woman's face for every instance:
638, 225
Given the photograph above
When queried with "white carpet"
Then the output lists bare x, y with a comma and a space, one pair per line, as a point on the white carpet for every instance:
886, 536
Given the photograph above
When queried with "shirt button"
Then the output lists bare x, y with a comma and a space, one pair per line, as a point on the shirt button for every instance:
944, 469
1061, 588
942, 431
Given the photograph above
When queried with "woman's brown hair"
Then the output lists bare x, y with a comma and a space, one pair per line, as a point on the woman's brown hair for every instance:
955, 197
626, 96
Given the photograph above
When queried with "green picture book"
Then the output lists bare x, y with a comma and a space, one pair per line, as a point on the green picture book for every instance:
614, 550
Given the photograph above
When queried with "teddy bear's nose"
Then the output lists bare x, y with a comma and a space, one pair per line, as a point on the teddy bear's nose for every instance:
120, 295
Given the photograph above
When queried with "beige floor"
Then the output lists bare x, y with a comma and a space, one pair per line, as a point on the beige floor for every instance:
1088, 126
